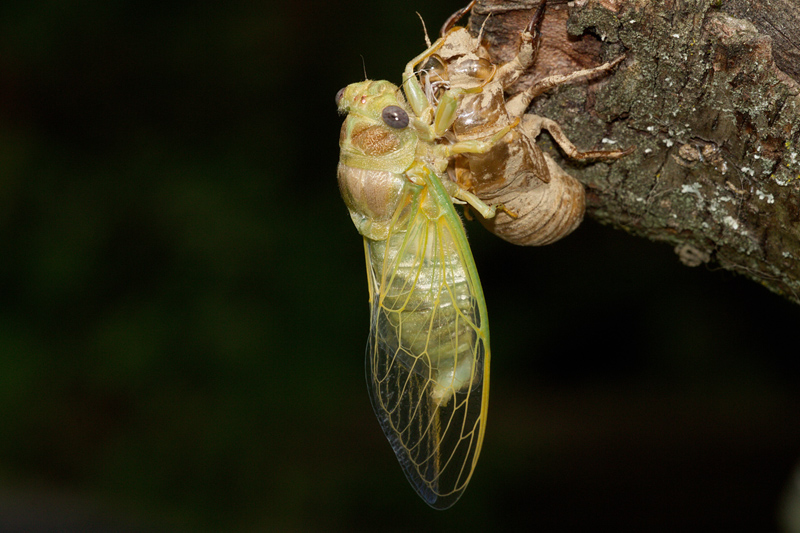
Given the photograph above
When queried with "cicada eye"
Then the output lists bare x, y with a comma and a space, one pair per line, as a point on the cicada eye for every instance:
339, 94
395, 117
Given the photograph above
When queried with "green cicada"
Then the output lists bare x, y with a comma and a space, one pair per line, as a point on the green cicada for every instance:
428, 350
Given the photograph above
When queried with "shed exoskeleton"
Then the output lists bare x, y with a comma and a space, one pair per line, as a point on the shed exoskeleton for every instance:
542, 203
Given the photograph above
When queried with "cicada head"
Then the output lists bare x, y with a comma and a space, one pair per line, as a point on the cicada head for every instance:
368, 97
376, 133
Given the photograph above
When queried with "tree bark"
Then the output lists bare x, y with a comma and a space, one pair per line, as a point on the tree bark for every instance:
708, 94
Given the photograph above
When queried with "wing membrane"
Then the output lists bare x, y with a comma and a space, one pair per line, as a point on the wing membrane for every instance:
428, 356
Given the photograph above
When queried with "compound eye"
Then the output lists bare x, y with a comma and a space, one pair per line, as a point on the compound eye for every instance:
395, 117
339, 95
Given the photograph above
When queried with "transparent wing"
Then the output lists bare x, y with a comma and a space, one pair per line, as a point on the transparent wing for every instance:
428, 353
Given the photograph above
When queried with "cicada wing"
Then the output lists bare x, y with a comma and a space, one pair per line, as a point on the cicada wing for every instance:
428, 356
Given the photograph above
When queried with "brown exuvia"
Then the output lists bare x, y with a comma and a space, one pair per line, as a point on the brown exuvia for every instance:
540, 202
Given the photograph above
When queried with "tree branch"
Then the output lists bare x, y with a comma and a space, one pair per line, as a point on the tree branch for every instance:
716, 122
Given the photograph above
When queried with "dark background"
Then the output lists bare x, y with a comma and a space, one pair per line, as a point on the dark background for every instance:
183, 305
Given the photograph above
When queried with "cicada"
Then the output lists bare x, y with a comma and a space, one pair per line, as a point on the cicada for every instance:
427, 361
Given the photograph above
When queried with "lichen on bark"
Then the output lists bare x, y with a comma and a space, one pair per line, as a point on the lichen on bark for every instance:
716, 123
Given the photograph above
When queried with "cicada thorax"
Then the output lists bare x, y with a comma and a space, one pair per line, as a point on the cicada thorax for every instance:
375, 155
542, 202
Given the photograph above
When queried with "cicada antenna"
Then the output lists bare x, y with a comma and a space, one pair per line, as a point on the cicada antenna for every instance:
483, 25
364, 65
425, 30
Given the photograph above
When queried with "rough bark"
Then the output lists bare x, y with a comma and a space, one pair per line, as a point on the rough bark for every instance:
710, 100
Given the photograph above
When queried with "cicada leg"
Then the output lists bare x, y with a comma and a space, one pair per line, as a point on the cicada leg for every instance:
459, 193
414, 92
476, 146
517, 105
485, 210
534, 124
528, 49
455, 17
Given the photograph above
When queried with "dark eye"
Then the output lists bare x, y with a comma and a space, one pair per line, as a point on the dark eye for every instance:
395, 117
339, 94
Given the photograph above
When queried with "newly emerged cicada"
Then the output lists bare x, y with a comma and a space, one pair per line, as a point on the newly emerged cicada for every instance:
428, 349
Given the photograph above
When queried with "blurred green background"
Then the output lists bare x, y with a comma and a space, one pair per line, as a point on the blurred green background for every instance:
183, 305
